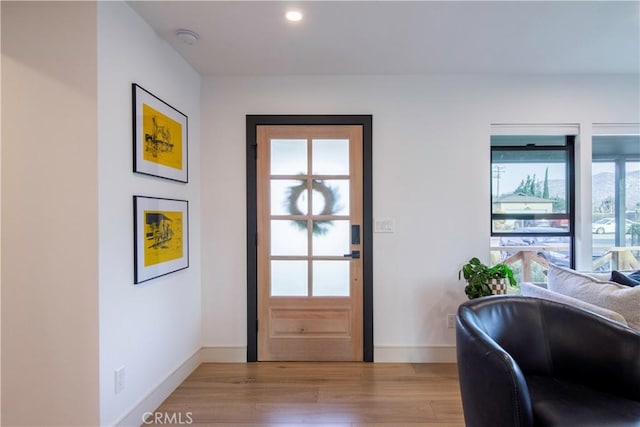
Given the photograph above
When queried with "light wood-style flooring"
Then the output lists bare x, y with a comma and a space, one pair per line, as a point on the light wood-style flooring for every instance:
317, 394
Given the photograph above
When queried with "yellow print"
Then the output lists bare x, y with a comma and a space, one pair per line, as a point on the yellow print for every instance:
163, 237
162, 138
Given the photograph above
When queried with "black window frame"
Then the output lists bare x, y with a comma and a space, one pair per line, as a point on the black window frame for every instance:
569, 148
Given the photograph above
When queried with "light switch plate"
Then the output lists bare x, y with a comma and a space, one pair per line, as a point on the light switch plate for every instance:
384, 225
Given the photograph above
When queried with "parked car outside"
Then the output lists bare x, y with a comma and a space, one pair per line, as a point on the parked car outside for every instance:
608, 225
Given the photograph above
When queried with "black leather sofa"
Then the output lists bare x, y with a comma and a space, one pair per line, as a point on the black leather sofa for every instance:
525, 361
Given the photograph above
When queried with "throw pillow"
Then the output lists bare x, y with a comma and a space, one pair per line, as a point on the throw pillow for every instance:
613, 296
618, 277
635, 275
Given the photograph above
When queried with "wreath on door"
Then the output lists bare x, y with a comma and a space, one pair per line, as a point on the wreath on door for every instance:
330, 195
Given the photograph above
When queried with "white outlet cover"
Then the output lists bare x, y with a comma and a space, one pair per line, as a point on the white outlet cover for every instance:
451, 321
118, 380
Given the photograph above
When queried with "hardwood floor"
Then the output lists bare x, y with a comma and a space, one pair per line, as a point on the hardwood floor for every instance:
316, 394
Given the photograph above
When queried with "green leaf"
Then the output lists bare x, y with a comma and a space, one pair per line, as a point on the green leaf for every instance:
477, 275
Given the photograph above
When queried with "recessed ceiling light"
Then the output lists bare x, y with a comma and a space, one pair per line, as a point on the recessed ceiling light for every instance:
293, 15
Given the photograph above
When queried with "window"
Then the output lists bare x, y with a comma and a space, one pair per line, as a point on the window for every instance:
532, 202
615, 201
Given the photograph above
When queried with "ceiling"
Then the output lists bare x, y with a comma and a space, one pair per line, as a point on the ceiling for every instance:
402, 37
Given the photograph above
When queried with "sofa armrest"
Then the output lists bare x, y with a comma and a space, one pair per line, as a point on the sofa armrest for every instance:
493, 388
538, 290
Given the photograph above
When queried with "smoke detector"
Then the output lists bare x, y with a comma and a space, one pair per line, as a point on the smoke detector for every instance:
187, 36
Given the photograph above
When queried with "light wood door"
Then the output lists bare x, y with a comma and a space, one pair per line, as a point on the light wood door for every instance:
309, 203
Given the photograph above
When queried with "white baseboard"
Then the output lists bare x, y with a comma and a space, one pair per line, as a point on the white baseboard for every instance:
152, 401
223, 355
444, 354
425, 354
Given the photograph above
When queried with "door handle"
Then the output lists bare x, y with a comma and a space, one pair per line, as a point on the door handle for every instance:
355, 234
353, 254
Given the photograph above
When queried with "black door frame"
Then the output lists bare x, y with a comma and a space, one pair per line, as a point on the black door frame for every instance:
252, 121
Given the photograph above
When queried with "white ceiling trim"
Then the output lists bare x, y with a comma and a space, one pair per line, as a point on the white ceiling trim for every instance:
535, 129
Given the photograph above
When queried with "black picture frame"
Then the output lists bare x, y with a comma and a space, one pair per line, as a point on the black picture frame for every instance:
160, 137
161, 237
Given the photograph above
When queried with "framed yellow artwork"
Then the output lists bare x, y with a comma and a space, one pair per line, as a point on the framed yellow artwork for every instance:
161, 237
160, 137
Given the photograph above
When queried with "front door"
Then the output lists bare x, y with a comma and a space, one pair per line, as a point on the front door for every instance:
309, 242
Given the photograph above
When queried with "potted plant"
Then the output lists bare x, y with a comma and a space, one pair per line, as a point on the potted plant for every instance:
479, 278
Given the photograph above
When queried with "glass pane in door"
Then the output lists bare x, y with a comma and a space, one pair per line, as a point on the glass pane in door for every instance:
331, 278
289, 278
330, 197
289, 197
331, 238
288, 156
330, 156
289, 238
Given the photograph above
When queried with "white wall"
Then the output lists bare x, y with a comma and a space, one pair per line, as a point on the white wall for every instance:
152, 328
430, 173
49, 215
